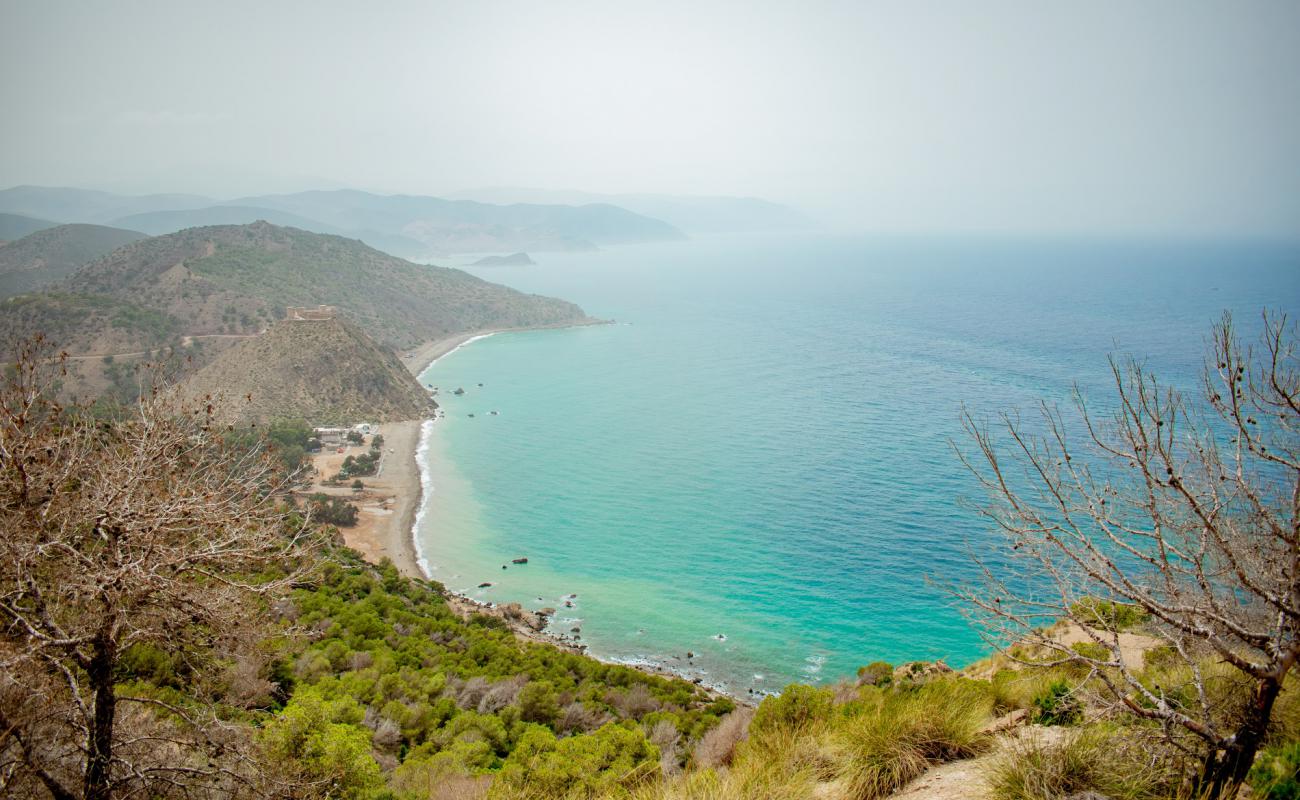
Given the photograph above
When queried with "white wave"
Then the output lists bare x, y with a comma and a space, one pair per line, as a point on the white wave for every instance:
470, 340
426, 495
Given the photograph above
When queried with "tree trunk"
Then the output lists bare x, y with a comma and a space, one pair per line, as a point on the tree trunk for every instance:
99, 757
1226, 768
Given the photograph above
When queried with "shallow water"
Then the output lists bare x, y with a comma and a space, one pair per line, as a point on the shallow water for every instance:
760, 447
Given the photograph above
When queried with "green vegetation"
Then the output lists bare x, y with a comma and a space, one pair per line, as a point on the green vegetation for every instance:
1108, 614
1057, 706
393, 677
331, 510
1276, 775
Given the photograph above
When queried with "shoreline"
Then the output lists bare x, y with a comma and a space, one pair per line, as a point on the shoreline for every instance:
401, 537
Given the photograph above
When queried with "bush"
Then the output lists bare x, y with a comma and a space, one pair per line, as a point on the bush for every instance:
1108, 614
332, 510
580, 766
1057, 706
877, 673
797, 708
888, 744
1276, 774
1107, 761
538, 703
355, 437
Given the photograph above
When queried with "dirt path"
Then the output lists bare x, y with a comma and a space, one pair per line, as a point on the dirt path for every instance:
186, 341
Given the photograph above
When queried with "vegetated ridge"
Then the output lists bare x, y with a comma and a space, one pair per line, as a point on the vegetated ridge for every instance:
327, 371
237, 279
51, 254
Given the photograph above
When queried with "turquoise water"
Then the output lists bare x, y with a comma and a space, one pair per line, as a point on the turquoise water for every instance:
760, 447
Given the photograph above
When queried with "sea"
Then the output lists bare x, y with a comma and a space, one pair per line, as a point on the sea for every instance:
751, 475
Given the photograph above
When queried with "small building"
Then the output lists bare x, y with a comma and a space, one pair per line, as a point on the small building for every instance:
309, 314
364, 428
331, 437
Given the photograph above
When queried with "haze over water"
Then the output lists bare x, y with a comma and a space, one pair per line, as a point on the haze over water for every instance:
760, 448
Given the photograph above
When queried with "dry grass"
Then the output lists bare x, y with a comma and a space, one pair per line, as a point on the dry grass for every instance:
1097, 759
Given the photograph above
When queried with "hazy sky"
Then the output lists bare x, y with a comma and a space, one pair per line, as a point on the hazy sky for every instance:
912, 116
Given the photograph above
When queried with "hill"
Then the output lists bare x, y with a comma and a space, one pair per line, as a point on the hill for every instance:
67, 204
463, 226
691, 213
198, 291
160, 222
325, 371
512, 260
49, 255
16, 226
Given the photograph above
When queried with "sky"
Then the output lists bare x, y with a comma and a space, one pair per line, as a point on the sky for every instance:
1023, 117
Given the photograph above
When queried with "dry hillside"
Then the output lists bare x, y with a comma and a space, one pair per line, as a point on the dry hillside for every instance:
323, 371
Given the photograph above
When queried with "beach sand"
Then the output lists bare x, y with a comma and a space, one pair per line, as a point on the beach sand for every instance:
388, 504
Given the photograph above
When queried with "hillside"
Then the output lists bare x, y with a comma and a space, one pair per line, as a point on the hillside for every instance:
16, 226
324, 371
235, 280
462, 226
47, 256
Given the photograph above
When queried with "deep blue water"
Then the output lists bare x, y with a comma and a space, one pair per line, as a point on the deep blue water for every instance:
761, 447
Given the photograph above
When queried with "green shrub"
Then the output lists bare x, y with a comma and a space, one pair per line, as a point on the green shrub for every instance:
797, 708
584, 766
1276, 774
1057, 706
877, 673
538, 703
1091, 650
1108, 614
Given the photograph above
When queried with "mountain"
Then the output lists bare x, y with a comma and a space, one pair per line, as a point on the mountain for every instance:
512, 260
188, 295
16, 226
692, 214
47, 256
464, 226
326, 371
159, 222
66, 204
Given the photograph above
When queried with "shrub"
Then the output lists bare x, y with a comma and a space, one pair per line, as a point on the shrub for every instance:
580, 766
1057, 706
877, 673
1276, 774
538, 703
1108, 614
797, 708
1107, 761
885, 746
717, 748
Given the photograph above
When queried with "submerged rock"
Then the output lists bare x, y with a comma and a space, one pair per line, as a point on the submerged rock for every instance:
520, 560
484, 584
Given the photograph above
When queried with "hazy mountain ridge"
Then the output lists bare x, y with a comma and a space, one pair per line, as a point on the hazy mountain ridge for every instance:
16, 226
409, 226
691, 213
70, 204
326, 371
51, 254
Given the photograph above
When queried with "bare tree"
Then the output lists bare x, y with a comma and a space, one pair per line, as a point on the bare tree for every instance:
145, 530
1188, 512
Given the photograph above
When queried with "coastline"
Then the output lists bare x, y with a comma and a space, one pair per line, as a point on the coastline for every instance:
402, 480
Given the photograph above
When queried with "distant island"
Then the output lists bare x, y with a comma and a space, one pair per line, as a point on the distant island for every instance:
512, 260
